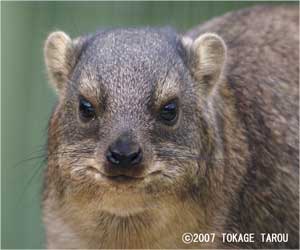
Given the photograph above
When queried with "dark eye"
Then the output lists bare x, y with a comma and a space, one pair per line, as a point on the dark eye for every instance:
169, 112
86, 110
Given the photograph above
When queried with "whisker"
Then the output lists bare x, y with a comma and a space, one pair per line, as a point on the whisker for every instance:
37, 168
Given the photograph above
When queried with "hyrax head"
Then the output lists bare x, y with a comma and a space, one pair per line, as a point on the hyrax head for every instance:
131, 109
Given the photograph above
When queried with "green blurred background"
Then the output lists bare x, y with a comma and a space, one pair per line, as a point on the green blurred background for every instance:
27, 100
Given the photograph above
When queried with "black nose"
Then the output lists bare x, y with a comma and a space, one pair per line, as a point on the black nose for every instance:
124, 152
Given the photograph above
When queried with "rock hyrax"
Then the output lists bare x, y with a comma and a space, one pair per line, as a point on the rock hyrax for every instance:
157, 133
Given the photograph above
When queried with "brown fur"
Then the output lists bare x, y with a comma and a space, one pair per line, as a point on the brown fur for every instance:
230, 164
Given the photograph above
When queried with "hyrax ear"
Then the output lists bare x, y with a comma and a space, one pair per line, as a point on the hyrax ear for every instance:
60, 54
208, 56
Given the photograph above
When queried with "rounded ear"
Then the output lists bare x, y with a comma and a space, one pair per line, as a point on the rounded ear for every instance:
208, 56
60, 54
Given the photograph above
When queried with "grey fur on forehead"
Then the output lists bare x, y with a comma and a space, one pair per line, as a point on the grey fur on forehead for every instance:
130, 55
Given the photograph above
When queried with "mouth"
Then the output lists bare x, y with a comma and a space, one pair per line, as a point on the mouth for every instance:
124, 178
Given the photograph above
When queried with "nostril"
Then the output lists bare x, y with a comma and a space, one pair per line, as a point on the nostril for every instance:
113, 157
136, 157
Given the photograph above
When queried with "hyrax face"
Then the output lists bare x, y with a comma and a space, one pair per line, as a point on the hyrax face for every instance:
130, 123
